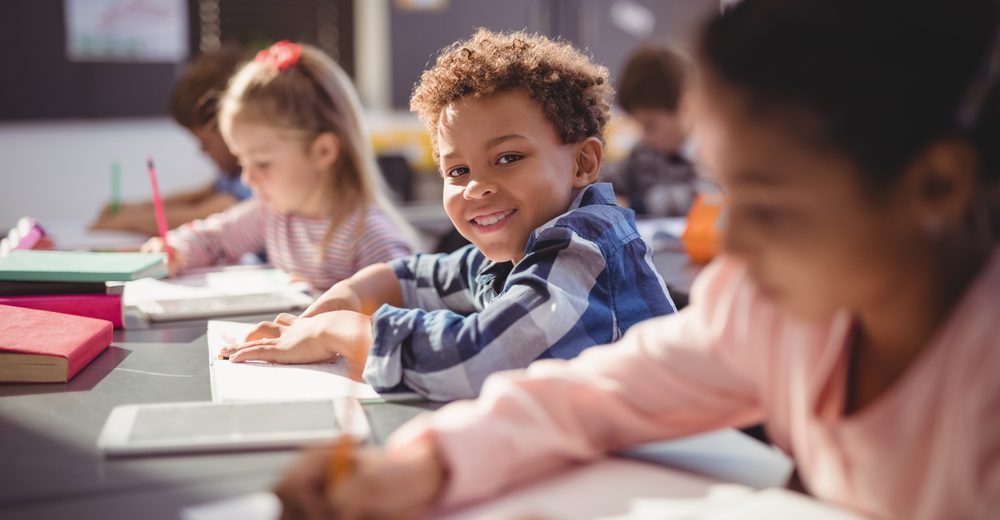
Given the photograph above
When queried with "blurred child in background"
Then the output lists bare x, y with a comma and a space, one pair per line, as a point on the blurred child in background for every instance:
193, 105
658, 178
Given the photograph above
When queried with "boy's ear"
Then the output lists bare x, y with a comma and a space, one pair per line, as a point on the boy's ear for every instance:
325, 150
589, 156
940, 182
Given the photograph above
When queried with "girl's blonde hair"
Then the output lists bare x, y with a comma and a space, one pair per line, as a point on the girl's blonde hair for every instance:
306, 98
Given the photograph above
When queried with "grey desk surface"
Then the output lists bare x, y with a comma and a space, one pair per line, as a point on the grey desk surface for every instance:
52, 469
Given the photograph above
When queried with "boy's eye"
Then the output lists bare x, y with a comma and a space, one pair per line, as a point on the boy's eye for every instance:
509, 158
456, 172
261, 165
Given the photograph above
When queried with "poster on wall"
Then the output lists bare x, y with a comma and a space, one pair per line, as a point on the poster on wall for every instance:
126, 30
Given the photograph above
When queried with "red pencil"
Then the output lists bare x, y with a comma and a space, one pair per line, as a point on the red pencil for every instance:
161, 217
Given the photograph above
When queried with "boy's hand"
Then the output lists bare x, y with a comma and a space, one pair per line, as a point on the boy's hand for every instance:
270, 329
404, 485
310, 340
175, 261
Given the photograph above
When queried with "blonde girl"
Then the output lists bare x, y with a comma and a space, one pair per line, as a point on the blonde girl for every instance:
321, 210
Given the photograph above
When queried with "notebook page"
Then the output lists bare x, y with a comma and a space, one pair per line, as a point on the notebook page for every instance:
256, 381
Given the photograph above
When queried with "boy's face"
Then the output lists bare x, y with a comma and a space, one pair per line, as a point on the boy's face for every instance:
662, 130
214, 146
813, 240
505, 170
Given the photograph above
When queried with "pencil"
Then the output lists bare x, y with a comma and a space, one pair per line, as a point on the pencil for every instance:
341, 458
161, 217
116, 181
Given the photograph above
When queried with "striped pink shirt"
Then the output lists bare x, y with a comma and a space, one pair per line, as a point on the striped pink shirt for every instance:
291, 242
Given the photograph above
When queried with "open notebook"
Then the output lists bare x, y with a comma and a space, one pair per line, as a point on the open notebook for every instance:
214, 292
609, 489
257, 381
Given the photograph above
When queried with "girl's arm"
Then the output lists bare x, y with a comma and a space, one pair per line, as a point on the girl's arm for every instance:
690, 372
668, 377
142, 218
224, 236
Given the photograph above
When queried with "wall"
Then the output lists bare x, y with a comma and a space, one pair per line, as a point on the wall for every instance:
62, 170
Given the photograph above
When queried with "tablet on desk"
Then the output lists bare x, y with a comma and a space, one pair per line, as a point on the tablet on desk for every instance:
223, 305
190, 427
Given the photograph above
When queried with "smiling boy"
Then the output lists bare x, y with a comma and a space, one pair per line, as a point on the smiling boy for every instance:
554, 266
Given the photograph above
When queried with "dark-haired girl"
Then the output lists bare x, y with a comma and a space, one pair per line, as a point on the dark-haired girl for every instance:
856, 310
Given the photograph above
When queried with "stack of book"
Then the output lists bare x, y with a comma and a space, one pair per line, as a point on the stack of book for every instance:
79, 283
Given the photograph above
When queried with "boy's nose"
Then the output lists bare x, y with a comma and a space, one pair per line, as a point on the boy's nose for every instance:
477, 188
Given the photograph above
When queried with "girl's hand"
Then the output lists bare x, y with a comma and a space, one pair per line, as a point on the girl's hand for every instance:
175, 261
402, 485
310, 340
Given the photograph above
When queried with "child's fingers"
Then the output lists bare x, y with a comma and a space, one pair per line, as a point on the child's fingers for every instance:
231, 350
153, 245
285, 319
302, 490
264, 329
267, 352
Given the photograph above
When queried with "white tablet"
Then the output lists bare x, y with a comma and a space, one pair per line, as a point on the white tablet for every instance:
141, 429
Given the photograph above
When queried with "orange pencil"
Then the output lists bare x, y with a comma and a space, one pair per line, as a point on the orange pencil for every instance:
341, 458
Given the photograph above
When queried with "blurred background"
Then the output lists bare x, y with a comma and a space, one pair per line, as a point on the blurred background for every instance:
85, 83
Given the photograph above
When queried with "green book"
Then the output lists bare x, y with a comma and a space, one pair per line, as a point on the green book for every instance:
74, 266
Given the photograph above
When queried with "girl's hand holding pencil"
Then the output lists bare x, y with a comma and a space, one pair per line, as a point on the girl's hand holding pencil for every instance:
175, 261
369, 483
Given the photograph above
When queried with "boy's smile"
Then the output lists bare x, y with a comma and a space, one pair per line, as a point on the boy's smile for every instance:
505, 170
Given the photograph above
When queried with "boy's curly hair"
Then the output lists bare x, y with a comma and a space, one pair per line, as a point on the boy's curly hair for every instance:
572, 92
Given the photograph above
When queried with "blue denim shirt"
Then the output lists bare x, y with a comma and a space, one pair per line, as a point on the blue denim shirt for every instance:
585, 278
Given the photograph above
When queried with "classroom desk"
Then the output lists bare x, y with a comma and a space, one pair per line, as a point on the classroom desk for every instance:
51, 466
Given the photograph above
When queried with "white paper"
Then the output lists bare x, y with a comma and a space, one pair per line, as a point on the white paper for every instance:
726, 502
724, 454
236, 280
75, 236
256, 506
257, 381
610, 489
604, 489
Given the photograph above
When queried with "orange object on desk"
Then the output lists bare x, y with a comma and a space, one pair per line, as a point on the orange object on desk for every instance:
702, 237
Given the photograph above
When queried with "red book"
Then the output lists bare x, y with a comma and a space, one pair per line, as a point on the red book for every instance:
99, 306
47, 347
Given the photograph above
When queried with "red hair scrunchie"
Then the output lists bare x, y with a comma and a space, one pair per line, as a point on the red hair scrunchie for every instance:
281, 55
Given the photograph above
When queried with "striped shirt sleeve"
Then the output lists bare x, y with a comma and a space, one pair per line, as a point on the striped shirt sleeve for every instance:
444, 355
222, 237
439, 281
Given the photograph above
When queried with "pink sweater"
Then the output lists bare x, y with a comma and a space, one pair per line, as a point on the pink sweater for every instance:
927, 448
291, 242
